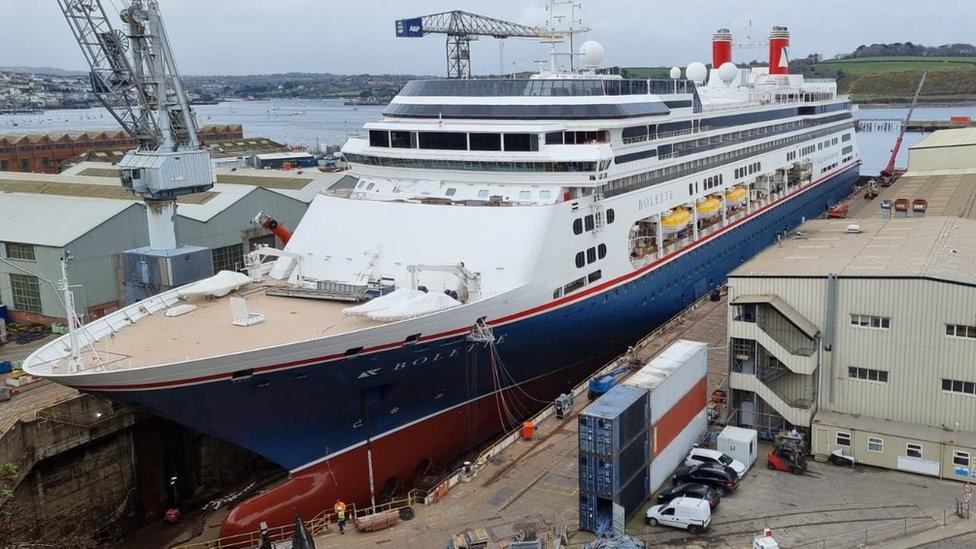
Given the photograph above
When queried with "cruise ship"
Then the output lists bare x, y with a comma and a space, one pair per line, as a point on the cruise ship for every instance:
494, 243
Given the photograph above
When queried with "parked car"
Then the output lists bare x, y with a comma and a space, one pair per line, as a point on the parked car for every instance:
691, 514
716, 475
704, 455
691, 490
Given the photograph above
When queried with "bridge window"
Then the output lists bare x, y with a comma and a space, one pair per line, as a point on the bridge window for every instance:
611, 216
554, 138
379, 138
452, 141
486, 141
403, 140
521, 142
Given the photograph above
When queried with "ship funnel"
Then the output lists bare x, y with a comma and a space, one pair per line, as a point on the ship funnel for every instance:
779, 40
721, 48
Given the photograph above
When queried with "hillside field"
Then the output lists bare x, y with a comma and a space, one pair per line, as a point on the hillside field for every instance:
874, 65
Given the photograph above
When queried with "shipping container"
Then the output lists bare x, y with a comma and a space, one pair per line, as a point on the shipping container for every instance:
596, 513
614, 420
606, 475
671, 374
669, 457
675, 419
587, 512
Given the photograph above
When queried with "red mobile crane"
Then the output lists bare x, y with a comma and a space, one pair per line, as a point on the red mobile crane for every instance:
887, 174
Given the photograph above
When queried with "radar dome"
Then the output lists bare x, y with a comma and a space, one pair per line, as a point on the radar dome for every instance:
675, 73
592, 53
727, 72
696, 72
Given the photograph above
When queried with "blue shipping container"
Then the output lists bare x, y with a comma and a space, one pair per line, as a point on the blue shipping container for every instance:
606, 475
596, 513
587, 512
614, 420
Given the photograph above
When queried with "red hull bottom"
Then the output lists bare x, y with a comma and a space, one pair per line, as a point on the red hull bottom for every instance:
398, 457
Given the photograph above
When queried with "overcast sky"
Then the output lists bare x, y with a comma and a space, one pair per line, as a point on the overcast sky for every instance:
357, 36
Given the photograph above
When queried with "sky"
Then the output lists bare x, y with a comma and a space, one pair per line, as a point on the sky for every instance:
357, 36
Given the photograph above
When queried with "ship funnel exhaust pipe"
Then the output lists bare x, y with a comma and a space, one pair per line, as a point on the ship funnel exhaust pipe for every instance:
779, 40
721, 48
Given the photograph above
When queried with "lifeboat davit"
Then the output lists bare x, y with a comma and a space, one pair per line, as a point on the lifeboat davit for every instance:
736, 196
675, 220
708, 207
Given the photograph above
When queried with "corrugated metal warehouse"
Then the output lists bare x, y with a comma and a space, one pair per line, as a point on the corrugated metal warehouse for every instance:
864, 337
96, 219
944, 151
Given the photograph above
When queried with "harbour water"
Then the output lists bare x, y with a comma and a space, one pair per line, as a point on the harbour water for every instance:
307, 122
312, 122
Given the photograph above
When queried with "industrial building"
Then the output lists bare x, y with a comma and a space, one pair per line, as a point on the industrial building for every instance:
95, 219
48, 152
867, 339
944, 152
862, 332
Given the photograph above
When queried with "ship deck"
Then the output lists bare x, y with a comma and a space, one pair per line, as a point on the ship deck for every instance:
209, 331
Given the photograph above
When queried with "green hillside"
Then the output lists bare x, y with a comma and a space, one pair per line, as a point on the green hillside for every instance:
873, 65
894, 79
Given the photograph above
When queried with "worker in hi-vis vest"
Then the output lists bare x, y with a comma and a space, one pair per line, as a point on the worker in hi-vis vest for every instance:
340, 511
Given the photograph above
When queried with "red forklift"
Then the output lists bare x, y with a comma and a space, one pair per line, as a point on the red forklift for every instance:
789, 453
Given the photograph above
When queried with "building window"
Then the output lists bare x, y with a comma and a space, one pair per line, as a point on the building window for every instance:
956, 330
913, 450
228, 258
24, 252
870, 321
844, 439
26, 293
960, 458
601, 251
868, 374
876, 444
578, 226
594, 276
611, 216
580, 260
957, 386
591, 255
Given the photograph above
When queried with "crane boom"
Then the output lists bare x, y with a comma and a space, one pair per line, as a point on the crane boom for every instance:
135, 77
890, 168
113, 79
461, 28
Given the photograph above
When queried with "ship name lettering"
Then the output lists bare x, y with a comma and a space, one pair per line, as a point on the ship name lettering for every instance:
369, 373
654, 199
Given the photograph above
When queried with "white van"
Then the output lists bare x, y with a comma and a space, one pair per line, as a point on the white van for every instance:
692, 514
704, 455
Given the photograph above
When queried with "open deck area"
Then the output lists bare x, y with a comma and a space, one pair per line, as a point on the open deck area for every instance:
209, 330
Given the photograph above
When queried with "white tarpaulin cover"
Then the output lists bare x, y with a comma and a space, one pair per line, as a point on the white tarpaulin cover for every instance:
383, 302
415, 306
217, 285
